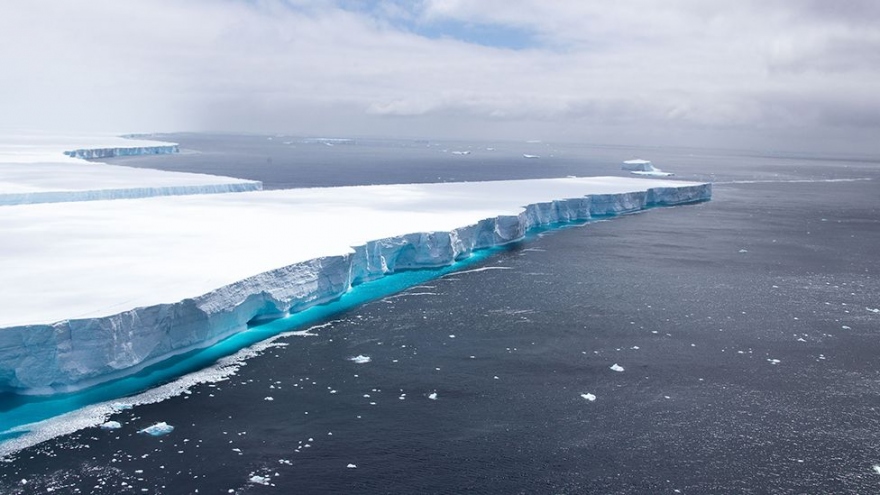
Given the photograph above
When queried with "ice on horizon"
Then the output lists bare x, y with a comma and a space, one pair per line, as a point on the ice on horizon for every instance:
644, 168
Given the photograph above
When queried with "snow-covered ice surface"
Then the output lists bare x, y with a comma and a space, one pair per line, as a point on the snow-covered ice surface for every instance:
93, 290
50, 168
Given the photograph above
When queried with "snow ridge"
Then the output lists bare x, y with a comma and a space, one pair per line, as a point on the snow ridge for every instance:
74, 354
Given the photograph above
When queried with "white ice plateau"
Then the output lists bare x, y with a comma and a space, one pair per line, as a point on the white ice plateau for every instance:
95, 289
52, 169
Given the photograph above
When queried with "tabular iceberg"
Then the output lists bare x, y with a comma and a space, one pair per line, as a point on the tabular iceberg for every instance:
52, 169
446, 222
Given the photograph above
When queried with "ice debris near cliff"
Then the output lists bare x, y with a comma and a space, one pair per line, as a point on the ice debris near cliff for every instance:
157, 430
94, 290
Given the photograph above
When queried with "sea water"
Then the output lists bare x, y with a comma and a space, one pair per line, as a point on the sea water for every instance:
746, 328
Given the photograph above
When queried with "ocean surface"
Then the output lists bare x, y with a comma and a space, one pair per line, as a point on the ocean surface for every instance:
731, 346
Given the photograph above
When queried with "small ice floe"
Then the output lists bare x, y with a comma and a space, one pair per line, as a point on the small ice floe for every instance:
530, 156
845, 327
432, 396
873, 310
876, 468
589, 397
461, 152
743, 250
360, 359
157, 430
773, 361
269, 398
111, 425
260, 480
616, 367
351, 466
120, 406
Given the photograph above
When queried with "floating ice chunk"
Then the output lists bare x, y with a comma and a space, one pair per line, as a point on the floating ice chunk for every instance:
845, 327
120, 406
773, 361
743, 251
588, 396
876, 468
361, 359
461, 152
616, 367
269, 398
530, 156
111, 425
158, 429
433, 396
873, 310
352, 466
260, 480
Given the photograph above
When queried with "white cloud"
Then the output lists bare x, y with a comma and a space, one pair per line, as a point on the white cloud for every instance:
799, 67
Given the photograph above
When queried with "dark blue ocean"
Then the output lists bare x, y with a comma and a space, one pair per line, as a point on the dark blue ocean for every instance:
746, 332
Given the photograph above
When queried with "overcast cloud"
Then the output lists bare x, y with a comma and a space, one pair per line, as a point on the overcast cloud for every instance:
784, 74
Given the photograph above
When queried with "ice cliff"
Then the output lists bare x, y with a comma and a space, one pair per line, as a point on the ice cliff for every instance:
76, 353
125, 193
32, 171
90, 153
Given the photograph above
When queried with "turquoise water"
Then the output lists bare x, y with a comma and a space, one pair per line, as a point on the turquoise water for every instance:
23, 410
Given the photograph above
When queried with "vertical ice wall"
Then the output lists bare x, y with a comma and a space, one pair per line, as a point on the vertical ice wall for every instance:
76, 353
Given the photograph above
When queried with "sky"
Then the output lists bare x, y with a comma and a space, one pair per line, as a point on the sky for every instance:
795, 75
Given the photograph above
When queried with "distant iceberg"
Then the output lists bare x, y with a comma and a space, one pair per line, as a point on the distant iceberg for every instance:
644, 168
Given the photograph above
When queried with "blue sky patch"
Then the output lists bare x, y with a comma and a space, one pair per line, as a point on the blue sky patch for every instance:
405, 16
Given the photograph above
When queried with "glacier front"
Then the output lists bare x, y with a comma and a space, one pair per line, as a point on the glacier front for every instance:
96, 290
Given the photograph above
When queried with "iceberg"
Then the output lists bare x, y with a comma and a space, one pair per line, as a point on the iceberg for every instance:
81, 306
91, 291
644, 168
53, 169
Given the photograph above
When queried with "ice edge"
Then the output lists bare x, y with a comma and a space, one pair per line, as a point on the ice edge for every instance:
74, 354
160, 148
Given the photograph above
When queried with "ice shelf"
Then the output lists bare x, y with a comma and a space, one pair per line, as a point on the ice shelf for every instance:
47, 168
93, 290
